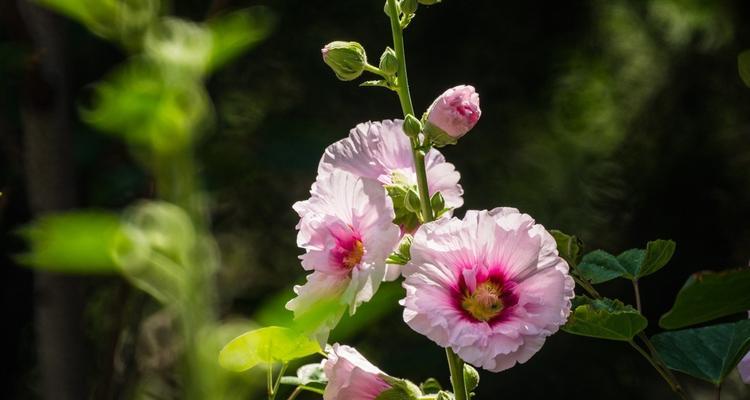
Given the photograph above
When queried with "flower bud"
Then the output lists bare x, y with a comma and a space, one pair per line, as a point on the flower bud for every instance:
346, 59
452, 115
389, 62
409, 6
412, 126
430, 2
412, 202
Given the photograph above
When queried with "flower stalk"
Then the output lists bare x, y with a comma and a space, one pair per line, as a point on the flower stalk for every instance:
404, 95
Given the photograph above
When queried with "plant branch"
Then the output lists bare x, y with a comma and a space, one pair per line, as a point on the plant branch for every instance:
637, 295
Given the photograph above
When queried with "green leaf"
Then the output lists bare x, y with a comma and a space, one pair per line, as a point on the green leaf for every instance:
569, 246
707, 296
743, 64
658, 254
605, 319
708, 353
600, 266
265, 345
401, 389
630, 261
75, 242
238, 31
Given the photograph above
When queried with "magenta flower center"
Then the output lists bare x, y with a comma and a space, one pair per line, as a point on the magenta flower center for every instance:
485, 302
349, 252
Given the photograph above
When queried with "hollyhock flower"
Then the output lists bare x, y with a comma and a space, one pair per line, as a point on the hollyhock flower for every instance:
382, 151
351, 376
347, 232
453, 114
491, 286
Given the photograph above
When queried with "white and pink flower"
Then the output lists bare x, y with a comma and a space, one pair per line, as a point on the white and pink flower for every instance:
491, 286
347, 232
351, 376
381, 151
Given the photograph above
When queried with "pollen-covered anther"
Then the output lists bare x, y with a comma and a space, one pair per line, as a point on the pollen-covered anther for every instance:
354, 256
485, 302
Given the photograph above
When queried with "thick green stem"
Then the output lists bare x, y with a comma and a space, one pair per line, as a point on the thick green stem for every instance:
456, 366
407, 107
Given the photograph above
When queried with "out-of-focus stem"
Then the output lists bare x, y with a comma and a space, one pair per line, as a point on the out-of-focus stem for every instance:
456, 366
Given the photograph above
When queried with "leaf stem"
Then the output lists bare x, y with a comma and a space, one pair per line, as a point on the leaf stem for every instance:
456, 366
269, 381
404, 96
275, 389
668, 377
637, 295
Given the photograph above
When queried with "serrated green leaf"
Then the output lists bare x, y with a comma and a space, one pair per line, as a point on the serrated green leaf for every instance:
266, 345
658, 254
708, 353
568, 246
600, 266
605, 319
74, 242
743, 64
707, 296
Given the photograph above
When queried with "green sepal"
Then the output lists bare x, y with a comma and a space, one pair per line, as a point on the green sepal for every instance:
401, 389
708, 353
471, 377
709, 295
430, 386
437, 203
405, 218
604, 319
402, 255
436, 136
409, 6
444, 395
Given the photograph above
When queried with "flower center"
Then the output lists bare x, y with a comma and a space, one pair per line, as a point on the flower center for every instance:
354, 255
485, 302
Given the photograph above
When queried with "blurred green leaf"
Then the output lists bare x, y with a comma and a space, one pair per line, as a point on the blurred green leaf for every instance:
600, 266
236, 32
707, 296
265, 345
658, 254
77, 242
148, 108
311, 373
569, 247
708, 353
743, 64
605, 319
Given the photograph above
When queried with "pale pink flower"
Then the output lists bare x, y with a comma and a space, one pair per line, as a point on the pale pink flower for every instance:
382, 151
456, 111
744, 368
351, 376
491, 286
347, 232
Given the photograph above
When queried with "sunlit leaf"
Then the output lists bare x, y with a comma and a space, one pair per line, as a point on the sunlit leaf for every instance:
600, 266
266, 345
708, 353
605, 319
74, 242
707, 296
236, 32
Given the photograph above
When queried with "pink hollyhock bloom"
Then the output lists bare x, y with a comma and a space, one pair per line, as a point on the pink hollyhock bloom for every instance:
351, 376
382, 151
456, 111
491, 286
347, 232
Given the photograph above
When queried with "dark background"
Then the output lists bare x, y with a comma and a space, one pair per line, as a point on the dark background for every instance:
618, 121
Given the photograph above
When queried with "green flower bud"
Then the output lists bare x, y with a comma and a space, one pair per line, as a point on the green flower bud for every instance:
411, 202
346, 59
430, 2
389, 62
412, 126
437, 202
409, 6
471, 377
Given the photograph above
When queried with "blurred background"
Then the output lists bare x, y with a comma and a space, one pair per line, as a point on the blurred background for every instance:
617, 121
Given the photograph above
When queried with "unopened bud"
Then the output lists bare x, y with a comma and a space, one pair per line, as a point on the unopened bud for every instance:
412, 126
430, 2
411, 202
389, 62
409, 6
346, 59
452, 115
437, 202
